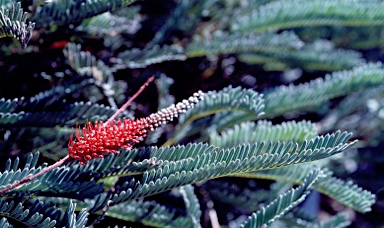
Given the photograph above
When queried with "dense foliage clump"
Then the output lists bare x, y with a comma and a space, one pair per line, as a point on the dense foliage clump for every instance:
286, 133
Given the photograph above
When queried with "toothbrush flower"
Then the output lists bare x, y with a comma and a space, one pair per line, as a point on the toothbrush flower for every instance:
98, 139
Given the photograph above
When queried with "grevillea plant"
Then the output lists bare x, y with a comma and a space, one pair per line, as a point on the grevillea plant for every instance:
248, 153
96, 140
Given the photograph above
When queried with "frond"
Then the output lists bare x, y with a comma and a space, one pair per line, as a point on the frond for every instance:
337, 221
283, 99
148, 213
130, 162
269, 42
167, 175
68, 11
285, 48
74, 220
49, 108
283, 203
39, 213
284, 15
4, 223
60, 114
62, 181
250, 132
85, 64
136, 58
320, 55
13, 24
107, 24
192, 205
245, 101
365, 108
346, 193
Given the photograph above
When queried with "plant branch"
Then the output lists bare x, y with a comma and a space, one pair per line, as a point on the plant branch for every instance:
31, 177
66, 158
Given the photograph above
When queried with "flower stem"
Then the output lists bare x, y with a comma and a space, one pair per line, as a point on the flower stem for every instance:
125, 106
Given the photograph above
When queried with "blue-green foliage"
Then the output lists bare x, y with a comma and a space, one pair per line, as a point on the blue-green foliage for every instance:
229, 134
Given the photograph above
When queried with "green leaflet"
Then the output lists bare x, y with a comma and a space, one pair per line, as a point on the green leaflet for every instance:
62, 114
85, 64
229, 99
269, 42
192, 205
108, 24
37, 213
68, 11
319, 55
283, 203
13, 24
284, 99
165, 175
148, 213
292, 98
337, 221
250, 132
284, 15
61, 181
136, 58
346, 193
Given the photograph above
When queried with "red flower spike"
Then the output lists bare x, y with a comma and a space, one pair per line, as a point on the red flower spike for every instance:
97, 139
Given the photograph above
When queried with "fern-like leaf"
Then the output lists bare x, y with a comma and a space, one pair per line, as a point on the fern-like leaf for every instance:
346, 193
41, 214
283, 99
284, 15
37, 214
85, 64
229, 99
64, 114
269, 42
13, 24
74, 220
283, 203
320, 55
69, 11
192, 204
136, 58
4, 223
62, 181
250, 132
107, 24
148, 213
338, 221
222, 162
